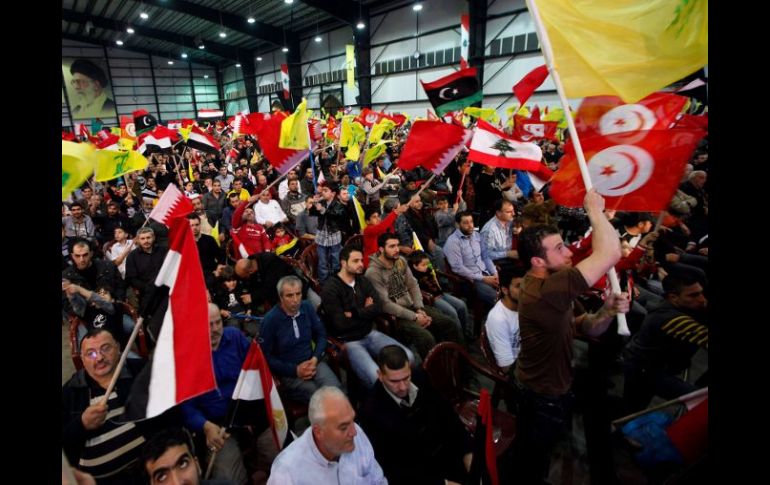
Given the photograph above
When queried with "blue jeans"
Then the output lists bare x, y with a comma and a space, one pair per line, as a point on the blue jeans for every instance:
456, 310
328, 261
362, 353
486, 293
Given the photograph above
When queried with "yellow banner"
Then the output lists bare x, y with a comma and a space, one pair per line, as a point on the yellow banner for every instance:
350, 65
77, 164
112, 164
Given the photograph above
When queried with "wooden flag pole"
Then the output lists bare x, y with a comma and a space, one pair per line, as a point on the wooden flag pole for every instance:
122, 361
548, 54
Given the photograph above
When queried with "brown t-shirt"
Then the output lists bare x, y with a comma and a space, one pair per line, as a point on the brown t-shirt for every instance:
547, 325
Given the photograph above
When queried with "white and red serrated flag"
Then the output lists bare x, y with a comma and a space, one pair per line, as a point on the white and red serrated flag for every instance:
623, 122
465, 38
181, 367
285, 80
255, 383
283, 159
315, 128
432, 145
492, 147
202, 141
638, 176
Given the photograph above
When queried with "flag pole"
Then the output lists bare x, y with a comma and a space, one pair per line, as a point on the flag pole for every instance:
123, 358
548, 55
425, 185
700, 393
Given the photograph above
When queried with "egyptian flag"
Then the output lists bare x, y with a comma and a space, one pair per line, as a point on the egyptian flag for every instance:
640, 174
432, 145
157, 140
199, 140
453, 92
492, 147
143, 121
484, 464
256, 398
181, 366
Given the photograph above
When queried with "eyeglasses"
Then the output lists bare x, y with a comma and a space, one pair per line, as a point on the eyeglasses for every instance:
105, 349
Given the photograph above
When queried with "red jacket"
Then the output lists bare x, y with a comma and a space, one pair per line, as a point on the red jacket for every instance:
251, 234
371, 233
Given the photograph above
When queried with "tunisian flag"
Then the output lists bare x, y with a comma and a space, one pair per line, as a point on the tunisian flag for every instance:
492, 147
642, 176
432, 144
181, 366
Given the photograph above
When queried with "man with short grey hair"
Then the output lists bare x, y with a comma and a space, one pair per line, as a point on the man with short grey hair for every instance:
286, 337
332, 448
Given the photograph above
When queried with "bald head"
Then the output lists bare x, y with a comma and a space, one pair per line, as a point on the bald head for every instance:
245, 267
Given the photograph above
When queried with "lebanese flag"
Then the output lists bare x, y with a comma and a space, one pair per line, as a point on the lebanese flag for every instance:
181, 366
256, 399
432, 144
611, 116
285, 80
492, 147
283, 159
642, 176
529, 83
529, 129
369, 118
201, 141
465, 35
159, 139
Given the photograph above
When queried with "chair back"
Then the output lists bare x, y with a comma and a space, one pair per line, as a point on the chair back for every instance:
488, 353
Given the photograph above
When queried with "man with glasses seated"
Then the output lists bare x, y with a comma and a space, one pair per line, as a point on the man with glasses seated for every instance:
94, 437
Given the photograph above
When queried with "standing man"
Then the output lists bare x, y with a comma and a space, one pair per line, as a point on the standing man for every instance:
549, 319
333, 450
214, 201
287, 336
144, 262
331, 219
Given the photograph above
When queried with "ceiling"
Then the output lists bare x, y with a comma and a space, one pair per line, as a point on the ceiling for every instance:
173, 27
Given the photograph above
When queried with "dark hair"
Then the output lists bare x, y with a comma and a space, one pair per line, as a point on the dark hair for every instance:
193, 216
675, 282
88, 68
499, 203
459, 216
331, 185
416, 257
77, 203
96, 331
384, 238
531, 242
347, 250
368, 213
162, 441
393, 357
227, 274
631, 219
442, 198
510, 272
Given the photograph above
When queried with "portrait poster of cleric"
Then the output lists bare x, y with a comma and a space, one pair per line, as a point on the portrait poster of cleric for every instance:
88, 89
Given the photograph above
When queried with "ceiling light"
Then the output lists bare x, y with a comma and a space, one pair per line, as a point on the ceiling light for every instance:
201, 47
417, 7
130, 30
259, 58
170, 62
184, 55
288, 2
119, 42
360, 25
237, 65
285, 49
205, 76
144, 15
222, 34
318, 38
251, 19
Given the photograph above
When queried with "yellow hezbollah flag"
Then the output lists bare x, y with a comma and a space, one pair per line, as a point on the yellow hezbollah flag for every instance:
115, 131
77, 164
294, 134
111, 164
629, 49
359, 213
374, 152
185, 132
357, 135
126, 143
215, 233
486, 114
380, 129
346, 132
350, 65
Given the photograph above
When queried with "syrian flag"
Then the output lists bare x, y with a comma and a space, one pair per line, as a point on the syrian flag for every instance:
492, 147
238, 245
143, 122
529, 83
453, 92
283, 159
638, 176
432, 144
484, 464
159, 139
256, 398
465, 36
181, 366
201, 141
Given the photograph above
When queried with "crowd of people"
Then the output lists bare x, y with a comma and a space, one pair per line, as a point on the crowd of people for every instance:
386, 264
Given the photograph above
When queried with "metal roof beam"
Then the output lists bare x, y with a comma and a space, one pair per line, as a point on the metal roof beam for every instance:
143, 50
345, 10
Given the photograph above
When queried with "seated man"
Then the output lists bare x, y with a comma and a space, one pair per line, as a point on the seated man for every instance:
468, 258
351, 303
207, 413
333, 450
260, 274
287, 335
497, 233
91, 273
247, 230
102, 447
416, 324
416, 434
503, 321
268, 212
663, 348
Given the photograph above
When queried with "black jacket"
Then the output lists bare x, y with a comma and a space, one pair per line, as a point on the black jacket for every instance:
101, 274
334, 219
337, 297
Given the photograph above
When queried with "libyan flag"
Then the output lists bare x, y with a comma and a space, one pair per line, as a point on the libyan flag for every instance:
453, 92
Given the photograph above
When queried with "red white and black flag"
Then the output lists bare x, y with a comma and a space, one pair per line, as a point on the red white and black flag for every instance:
181, 366
201, 141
